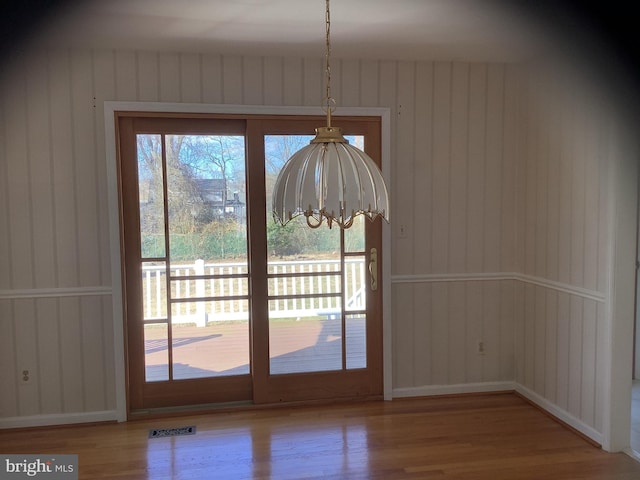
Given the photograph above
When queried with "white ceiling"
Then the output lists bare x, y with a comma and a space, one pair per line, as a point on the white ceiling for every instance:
468, 30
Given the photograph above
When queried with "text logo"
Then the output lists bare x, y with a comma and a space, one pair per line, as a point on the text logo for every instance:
51, 467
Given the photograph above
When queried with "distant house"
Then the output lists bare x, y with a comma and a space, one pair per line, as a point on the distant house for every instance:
214, 194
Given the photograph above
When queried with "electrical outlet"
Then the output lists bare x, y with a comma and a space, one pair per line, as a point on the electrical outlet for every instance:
481, 347
25, 376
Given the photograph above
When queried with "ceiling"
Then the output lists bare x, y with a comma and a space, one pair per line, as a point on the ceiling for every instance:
466, 30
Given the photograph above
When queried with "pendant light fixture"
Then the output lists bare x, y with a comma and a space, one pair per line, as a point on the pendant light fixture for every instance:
329, 179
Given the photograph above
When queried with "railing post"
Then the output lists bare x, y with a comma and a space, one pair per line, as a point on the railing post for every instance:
201, 314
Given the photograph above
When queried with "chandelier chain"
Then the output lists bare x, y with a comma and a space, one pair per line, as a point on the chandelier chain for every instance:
330, 101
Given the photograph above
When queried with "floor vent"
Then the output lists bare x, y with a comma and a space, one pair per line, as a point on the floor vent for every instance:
172, 432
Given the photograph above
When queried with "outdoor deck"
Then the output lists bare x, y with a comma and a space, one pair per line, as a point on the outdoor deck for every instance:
222, 349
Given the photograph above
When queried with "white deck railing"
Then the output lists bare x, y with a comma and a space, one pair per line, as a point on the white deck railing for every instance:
292, 295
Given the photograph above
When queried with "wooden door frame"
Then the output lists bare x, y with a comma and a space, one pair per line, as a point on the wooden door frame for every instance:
111, 148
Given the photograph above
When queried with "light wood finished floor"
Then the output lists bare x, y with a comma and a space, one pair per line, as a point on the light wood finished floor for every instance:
470, 437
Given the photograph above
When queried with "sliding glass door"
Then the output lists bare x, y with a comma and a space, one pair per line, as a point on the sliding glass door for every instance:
222, 304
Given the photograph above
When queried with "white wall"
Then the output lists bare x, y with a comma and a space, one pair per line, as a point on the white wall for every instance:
503, 200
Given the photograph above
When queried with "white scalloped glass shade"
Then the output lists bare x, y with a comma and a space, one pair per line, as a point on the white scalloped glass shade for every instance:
330, 180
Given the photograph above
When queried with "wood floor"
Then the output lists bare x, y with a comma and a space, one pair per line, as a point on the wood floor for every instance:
469, 437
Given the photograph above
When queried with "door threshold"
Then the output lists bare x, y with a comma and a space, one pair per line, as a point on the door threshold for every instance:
146, 413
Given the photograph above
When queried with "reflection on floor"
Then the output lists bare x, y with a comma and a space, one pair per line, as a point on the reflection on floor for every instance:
635, 416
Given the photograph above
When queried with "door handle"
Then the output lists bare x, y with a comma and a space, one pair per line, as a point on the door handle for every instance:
373, 269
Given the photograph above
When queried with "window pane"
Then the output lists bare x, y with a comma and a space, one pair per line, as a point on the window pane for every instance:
356, 343
355, 287
218, 346
207, 198
154, 291
151, 195
304, 344
156, 353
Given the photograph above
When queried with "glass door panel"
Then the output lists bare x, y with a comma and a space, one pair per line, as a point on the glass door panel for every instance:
312, 282
196, 282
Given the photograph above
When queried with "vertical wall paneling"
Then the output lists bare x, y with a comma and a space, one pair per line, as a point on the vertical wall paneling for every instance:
349, 84
39, 141
148, 77
476, 167
369, 83
508, 326
510, 159
603, 169
575, 356
104, 90
9, 372
403, 335
493, 221
528, 379
27, 356
566, 187
474, 331
458, 351
600, 367
539, 340
253, 80
48, 342
439, 341
337, 80
169, 77
564, 335
232, 75
539, 163
212, 78
530, 196
5, 243
19, 186
418, 226
190, 78
588, 363
72, 355
64, 174
422, 336
126, 75
84, 140
551, 346
458, 178
519, 337
441, 166
108, 350
553, 190
273, 90
491, 330
405, 160
592, 194
93, 373
292, 81
578, 211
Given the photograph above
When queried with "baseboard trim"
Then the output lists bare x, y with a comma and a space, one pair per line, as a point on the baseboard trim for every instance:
558, 413
458, 389
58, 419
